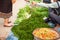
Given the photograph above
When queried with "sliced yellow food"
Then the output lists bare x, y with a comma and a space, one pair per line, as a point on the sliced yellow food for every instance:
45, 33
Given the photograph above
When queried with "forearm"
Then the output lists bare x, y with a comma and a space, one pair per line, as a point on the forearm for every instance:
52, 5
41, 4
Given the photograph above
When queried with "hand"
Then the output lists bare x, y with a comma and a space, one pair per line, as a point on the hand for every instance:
33, 3
13, 1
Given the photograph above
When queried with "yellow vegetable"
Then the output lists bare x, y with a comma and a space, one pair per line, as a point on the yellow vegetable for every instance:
45, 33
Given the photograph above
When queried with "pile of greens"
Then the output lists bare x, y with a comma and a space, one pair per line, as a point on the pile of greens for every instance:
25, 27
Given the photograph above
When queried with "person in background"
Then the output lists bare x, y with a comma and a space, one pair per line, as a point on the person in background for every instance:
6, 11
53, 4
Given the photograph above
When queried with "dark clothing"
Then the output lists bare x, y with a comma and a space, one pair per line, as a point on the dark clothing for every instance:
5, 6
55, 18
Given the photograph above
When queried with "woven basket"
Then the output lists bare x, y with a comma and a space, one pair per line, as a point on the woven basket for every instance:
36, 38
